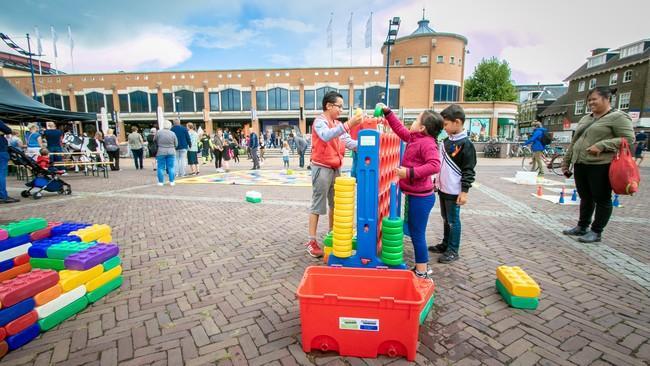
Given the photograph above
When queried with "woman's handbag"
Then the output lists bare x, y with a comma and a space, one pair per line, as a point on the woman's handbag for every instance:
624, 174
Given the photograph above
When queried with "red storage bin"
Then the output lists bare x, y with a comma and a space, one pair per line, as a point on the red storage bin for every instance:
362, 312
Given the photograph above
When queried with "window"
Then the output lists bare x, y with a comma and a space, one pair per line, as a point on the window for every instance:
452, 60
140, 102
124, 103
587, 108
246, 100
409, 60
230, 100
168, 100
109, 103
53, 100
153, 101
183, 101
81, 103
294, 100
624, 101
632, 50
627, 76
613, 79
346, 97
374, 95
310, 96
94, 102
320, 93
393, 98
440, 59
278, 99
200, 102
424, 60
612, 99
581, 86
592, 84
396, 62
445, 93
260, 97
214, 101
580, 107
358, 98
66, 102
460, 61
597, 60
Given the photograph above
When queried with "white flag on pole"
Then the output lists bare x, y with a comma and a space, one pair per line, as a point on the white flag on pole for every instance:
329, 32
54, 39
71, 47
39, 45
349, 40
368, 35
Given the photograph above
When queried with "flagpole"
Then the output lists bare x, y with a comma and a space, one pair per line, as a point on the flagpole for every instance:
331, 41
370, 38
39, 49
56, 66
71, 47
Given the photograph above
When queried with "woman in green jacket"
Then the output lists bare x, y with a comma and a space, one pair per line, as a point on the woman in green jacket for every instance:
594, 144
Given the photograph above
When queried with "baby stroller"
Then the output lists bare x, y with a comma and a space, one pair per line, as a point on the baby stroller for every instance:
42, 179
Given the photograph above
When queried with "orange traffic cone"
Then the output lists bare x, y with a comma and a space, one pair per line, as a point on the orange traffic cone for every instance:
539, 191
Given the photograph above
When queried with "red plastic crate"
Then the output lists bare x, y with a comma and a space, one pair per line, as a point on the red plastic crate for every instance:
362, 312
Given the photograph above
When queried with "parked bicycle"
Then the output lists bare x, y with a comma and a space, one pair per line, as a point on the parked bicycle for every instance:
552, 157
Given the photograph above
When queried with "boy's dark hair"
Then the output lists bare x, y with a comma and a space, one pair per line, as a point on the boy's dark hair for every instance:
453, 112
432, 122
330, 97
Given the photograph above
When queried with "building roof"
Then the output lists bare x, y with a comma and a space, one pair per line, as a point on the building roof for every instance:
560, 106
18, 62
423, 28
552, 92
613, 63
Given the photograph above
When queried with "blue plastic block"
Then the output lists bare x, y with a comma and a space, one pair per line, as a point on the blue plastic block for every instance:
6, 265
22, 338
16, 311
14, 242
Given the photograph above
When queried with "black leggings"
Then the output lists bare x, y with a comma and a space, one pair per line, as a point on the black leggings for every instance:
592, 183
218, 155
137, 158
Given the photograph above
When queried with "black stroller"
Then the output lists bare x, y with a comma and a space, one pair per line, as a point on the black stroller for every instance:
42, 179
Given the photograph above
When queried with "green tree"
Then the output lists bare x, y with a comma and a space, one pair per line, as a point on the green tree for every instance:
490, 82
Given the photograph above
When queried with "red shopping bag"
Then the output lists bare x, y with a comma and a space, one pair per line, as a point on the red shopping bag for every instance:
624, 174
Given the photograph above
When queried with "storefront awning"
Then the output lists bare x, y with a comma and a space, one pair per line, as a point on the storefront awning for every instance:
506, 122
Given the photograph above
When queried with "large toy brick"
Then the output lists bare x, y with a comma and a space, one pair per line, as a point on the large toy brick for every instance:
14, 242
14, 252
517, 282
60, 302
26, 285
17, 270
3, 333
16, 311
515, 301
48, 295
3, 234
72, 279
91, 257
104, 290
21, 259
64, 249
41, 234
24, 337
62, 314
20, 324
25, 226
103, 279
66, 227
92, 233
112, 263
4, 348
47, 263
39, 247
52, 224
6, 265
105, 239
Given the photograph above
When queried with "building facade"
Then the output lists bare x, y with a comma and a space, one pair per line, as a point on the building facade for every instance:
535, 103
427, 71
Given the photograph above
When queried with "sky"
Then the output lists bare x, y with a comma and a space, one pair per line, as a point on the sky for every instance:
544, 42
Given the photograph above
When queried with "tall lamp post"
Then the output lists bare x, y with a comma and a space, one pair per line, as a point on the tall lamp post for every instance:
393, 28
178, 104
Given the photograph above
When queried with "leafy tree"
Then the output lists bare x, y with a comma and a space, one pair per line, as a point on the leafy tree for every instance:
490, 82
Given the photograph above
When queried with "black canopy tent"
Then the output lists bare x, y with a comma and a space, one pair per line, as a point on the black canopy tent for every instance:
16, 107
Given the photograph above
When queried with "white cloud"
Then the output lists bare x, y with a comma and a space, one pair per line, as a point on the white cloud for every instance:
290, 25
224, 36
280, 59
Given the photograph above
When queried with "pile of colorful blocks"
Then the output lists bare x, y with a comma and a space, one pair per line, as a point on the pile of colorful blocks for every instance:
517, 288
50, 271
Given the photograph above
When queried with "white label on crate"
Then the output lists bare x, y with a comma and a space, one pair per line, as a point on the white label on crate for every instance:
367, 140
371, 325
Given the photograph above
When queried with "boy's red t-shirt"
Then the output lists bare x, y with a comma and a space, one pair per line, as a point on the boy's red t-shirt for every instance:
43, 162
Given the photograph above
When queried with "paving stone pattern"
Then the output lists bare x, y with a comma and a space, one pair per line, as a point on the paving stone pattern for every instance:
210, 279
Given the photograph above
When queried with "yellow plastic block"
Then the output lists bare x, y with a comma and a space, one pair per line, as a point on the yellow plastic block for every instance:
105, 239
69, 279
342, 188
345, 181
349, 195
92, 233
103, 278
517, 282
344, 206
343, 221
341, 200
343, 213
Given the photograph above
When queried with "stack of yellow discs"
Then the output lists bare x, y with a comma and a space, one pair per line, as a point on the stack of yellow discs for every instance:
343, 216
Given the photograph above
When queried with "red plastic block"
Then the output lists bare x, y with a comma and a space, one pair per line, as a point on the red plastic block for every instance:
26, 285
20, 324
52, 224
21, 259
9, 274
41, 234
3, 234
3, 333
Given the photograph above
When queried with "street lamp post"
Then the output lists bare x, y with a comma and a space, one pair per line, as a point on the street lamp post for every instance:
393, 28
178, 102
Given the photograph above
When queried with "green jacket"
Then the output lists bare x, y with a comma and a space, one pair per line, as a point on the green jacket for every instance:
605, 133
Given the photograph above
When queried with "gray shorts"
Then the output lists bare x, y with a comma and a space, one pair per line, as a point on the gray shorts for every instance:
322, 187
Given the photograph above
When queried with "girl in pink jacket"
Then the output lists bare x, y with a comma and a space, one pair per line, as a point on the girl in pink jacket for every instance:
421, 160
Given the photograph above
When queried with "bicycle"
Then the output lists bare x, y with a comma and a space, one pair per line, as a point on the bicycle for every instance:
551, 156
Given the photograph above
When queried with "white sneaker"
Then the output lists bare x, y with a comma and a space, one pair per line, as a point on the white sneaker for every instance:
172, 183
161, 184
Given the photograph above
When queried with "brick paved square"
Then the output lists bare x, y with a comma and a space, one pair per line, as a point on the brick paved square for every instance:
210, 279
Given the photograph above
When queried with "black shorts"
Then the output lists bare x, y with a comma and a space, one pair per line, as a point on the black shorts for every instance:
192, 158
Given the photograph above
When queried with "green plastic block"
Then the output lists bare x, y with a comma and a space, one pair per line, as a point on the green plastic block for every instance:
253, 200
328, 239
62, 314
47, 263
64, 249
517, 301
25, 226
112, 263
427, 308
354, 243
102, 291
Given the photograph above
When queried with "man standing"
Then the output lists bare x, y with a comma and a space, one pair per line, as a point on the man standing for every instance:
301, 146
537, 147
329, 139
641, 140
4, 164
53, 137
184, 143
254, 145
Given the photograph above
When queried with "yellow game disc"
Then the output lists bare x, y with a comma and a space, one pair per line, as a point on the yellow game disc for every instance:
344, 206
343, 213
344, 194
342, 254
342, 188
343, 225
345, 181
342, 236
342, 230
343, 200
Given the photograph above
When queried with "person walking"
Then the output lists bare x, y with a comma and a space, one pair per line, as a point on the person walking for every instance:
641, 145
301, 147
217, 148
206, 146
593, 146
537, 147
4, 164
33, 140
193, 150
184, 143
136, 144
112, 149
254, 146
53, 139
152, 147
167, 142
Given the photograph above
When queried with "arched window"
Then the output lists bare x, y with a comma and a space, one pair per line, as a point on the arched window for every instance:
139, 101
278, 99
94, 102
320, 93
231, 100
53, 100
184, 101
374, 95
